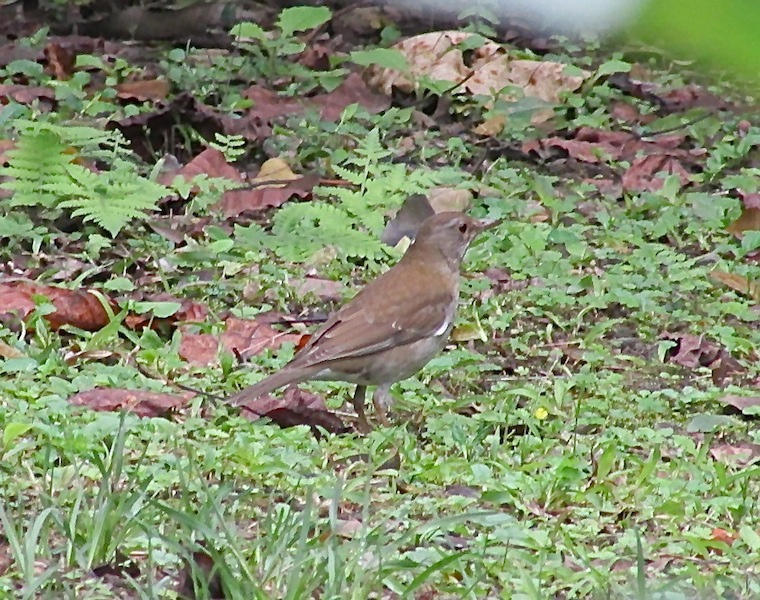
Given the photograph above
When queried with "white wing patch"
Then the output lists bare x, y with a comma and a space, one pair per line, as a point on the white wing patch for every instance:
442, 329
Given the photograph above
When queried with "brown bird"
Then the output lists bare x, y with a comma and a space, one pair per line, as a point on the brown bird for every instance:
392, 327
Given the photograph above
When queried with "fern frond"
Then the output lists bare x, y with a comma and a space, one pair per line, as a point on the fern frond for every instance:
45, 170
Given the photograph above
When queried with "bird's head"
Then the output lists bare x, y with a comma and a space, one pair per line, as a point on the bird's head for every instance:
449, 234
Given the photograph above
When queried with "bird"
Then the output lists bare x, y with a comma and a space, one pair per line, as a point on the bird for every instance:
393, 327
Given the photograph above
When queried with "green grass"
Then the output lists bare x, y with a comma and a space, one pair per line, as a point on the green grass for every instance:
560, 456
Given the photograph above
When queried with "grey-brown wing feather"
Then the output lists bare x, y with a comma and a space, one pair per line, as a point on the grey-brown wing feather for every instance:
359, 329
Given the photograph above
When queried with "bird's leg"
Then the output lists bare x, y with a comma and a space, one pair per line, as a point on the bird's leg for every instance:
381, 399
358, 401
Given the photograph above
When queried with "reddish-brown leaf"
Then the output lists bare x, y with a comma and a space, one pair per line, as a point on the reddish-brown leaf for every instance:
140, 402
72, 307
294, 407
748, 405
647, 173
737, 282
694, 351
259, 195
269, 104
242, 337
26, 94
740, 454
749, 220
60, 61
190, 311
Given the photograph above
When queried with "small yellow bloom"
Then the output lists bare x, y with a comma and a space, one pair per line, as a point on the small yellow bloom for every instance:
541, 413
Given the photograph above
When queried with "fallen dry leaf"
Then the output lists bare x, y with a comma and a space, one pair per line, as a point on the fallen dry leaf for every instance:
60, 61
190, 311
741, 454
746, 405
721, 535
26, 94
294, 407
143, 89
78, 308
646, 173
487, 71
140, 402
258, 194
242, 337
693, 351
7, 351
738, 283
269, 105
749, 220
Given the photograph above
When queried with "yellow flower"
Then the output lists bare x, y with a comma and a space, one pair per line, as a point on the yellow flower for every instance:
541, 413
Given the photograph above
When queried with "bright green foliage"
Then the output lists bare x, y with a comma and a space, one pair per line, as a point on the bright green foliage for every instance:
45, 172
353, 225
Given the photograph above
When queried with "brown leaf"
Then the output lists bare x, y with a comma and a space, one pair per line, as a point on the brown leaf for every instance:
741, 454
140, 402
236, 202
60, 61
242, 337
190, 311
26, 94
692, 96
693, 351
595, 145
294, 407
749, 220
143, 89
274, 185
747, 405
7, 351
487, 70
645, 172
269, 105
738, 283
210, 162
721, 535
78, 308
324, 289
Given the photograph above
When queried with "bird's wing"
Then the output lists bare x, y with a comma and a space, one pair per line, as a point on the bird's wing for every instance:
375, 324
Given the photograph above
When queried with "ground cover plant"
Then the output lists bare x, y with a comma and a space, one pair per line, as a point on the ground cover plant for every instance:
175, 217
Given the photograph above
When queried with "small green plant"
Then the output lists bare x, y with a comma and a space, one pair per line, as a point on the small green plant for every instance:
270, 50
48, 169
354, 223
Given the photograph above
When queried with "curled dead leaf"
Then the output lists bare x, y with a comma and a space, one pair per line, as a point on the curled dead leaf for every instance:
294, 407
78, 308
694, 351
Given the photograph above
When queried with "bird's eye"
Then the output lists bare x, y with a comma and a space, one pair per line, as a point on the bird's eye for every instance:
463, 228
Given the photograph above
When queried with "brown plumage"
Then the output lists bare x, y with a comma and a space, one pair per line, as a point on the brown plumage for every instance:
393, 326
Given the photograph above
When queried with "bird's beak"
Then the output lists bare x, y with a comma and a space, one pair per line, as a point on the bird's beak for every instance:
484, 224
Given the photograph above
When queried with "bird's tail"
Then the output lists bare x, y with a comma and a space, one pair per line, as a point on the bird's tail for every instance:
270, 384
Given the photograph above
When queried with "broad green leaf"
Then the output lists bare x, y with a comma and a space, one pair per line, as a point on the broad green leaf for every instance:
302, 18
387, 58
13, 431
